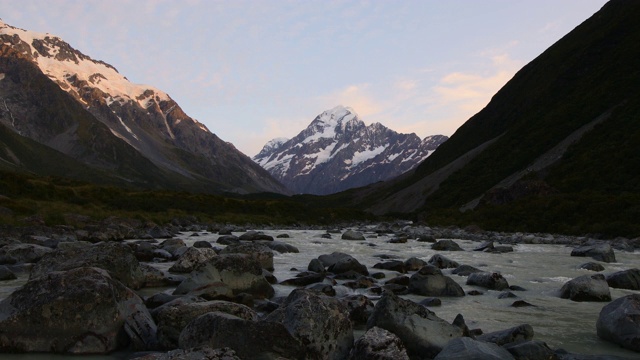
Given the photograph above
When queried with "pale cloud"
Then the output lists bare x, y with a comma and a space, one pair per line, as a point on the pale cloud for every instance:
358, 96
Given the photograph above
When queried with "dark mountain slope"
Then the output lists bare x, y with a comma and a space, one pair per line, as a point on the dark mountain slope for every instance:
590, 76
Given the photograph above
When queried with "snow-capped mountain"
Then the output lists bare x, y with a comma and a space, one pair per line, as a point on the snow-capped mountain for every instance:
337, 151
139, 119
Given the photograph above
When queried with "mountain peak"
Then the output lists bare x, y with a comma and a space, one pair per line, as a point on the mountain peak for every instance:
337, 151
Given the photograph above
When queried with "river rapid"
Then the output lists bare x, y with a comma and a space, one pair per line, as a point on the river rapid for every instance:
539, 268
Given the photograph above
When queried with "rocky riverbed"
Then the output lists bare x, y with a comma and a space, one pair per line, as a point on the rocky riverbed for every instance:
386, 291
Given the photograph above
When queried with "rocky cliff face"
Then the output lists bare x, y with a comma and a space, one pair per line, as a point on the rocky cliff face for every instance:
132, 118
337, 151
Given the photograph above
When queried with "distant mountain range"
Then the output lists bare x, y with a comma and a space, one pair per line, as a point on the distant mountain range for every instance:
64, 113
337, 151
556, 149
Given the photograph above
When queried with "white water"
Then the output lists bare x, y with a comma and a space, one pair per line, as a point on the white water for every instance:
541, 269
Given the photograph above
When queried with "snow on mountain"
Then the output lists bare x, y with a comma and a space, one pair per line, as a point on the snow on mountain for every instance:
144, 117
337, 151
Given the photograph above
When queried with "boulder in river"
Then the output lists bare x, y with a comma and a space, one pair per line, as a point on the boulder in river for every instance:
80, 311
518, 333
352, 235
174, 317
442, 262
597, 251
487, 280
586, 288
421, 331
319, 322
204, 352
619, 322
191, 258
250, 339
255, 236
379, 344
626, 279
238, 272
468, 348
446, 245
262, 253
465, 270
592, 266
429, 281
116, 258
22, 253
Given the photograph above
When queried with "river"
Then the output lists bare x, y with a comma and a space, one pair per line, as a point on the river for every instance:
540, 269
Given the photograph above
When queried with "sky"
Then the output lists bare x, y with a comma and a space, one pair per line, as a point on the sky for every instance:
255, 70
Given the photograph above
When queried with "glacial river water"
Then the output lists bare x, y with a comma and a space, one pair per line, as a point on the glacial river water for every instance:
540, 269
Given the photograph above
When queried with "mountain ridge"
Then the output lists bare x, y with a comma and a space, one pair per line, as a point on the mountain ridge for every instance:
337, 151
183, 153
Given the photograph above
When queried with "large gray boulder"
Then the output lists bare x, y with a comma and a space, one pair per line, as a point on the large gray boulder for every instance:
429, 281
259, 340
262, 253
239, 273
80, 311
465, 348
446, 245
619, 322
319, 322
626, 279
173, 318
378, 344
491, 281
515, 334
530, 350
346, 264
598, 251
586, 288
442, 262
352, 235
191, 258
199, 353
421, 331
22, 253
116, 258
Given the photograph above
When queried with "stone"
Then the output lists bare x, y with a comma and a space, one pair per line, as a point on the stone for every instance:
22, 253
487, 245
239, 272
619, 322
258, 340
446, 245
430, 282
347, 264
116, 258
228, 240
319, 322
360, 308
431, 302
202, 244
421, 331
626, 279
305, 279
255, 235
198, 353
599, 251
586, 288
465, 270
414, 264
468, 348
315, 265
173, 318
530, 350
491, 281
80, 311
262, 253
518, 333
352, 235
281, 247
591, 266
442, 262
393, 265
379, 344
190, 259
